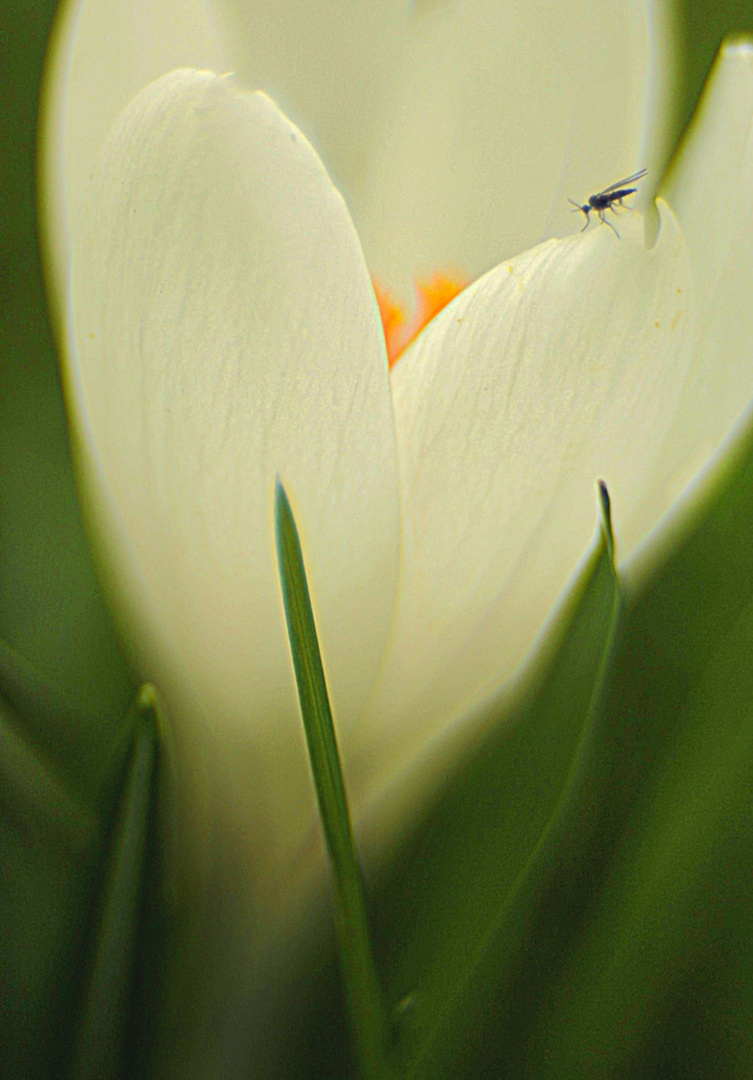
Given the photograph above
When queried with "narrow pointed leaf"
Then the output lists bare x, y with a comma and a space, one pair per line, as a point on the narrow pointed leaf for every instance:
106, 1000
626, 946
660, 983
443, 894
362, 987
472, 1029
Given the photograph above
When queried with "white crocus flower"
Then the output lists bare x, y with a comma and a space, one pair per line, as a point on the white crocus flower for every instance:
220, 327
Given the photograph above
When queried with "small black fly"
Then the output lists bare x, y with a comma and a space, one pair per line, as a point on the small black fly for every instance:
607, 200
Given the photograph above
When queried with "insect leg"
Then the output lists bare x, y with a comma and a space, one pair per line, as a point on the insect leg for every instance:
604, 221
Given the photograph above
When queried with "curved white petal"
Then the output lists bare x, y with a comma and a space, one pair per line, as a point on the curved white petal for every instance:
559, 367
452, 126
226, 331
711, 191
499, 109
102, 54
329, 65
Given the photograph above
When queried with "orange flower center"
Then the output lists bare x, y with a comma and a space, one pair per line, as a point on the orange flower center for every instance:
431, 296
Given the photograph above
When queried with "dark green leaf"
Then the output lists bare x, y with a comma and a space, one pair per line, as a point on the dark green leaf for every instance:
478, 885
491, 835
625, 947
361, 983
660, 980
103, 1022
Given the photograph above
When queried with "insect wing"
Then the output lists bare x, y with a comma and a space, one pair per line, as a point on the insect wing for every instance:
621, 183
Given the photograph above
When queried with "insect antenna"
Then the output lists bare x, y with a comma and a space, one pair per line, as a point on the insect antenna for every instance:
585, 210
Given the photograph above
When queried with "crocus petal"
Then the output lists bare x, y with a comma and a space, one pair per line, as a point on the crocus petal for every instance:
328, 64
559, 367
711, 191
103, 53
499, 110
226, 331
452, 127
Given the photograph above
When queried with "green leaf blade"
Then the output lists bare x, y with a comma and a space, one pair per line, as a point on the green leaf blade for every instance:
477, 1019
104, 1017
364, 999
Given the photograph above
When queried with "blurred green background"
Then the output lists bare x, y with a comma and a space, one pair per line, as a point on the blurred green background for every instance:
50, 607
62, 723
68, 743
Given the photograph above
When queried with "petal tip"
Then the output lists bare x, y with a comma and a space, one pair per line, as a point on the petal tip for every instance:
738, 46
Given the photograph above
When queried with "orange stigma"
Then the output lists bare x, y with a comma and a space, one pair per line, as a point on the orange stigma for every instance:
432, 295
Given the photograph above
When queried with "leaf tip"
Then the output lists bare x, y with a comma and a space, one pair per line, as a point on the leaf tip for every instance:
605, 517
282, 503
149, 710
